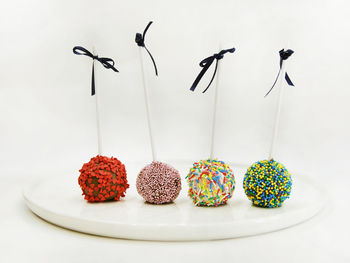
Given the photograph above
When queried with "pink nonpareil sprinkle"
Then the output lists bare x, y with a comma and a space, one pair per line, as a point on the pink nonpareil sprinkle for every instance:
158, 183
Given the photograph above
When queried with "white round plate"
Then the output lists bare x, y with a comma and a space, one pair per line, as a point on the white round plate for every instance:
59, 201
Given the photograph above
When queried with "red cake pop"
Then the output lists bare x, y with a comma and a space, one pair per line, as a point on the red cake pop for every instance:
103, 179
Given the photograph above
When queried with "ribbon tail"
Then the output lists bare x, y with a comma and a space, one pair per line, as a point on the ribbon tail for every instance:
93, 80
154, 63
212, 78
273, 83
200, 75
290, 83
145, 31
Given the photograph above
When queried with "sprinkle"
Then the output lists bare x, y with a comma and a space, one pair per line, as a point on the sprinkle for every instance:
267, 183
211, 183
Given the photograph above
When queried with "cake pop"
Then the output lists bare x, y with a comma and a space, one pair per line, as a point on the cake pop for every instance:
267, 183
158, 182
211, 183
103, 179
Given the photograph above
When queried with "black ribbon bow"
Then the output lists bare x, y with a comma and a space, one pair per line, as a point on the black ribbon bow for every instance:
106, 62
284, 55
140, 40
206, 63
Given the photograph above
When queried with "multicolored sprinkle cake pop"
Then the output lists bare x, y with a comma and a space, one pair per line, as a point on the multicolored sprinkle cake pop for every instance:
267, 183
211, 183
103, 179
159, 183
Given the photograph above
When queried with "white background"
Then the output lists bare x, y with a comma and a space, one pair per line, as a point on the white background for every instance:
48, 120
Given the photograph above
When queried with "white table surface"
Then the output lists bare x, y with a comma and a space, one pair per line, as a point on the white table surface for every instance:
26, 238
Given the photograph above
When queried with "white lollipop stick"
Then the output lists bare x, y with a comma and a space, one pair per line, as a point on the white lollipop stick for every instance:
147, 105
214, 110
278, 111
99, 145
